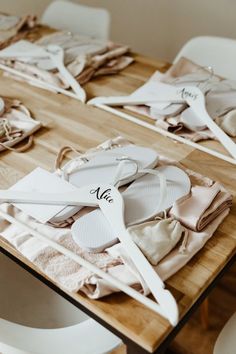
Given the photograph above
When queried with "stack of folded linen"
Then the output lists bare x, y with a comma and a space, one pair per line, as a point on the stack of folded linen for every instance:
84, 57
87, 57
220, 96
169, 241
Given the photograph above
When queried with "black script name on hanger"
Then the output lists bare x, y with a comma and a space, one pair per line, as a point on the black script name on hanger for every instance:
185, 93
102, 194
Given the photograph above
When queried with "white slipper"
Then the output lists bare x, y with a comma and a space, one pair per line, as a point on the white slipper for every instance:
101, 167
93, 232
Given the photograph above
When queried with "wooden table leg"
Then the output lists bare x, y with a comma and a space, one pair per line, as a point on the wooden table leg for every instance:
204, 314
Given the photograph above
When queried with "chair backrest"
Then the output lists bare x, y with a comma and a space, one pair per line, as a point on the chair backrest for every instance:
26, 303
217, 52
226, 342
85, 20
83, 338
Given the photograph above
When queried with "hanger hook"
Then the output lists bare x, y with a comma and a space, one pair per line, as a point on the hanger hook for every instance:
211, 74
209, 69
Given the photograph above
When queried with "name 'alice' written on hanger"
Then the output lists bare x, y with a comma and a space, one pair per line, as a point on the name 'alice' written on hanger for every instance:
102, 194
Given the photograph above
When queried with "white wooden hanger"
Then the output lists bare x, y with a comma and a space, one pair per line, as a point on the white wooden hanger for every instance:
56, 54
25, 49
111, 203
160, 92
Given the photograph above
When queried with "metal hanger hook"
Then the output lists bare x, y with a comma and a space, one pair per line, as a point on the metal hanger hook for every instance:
209, 69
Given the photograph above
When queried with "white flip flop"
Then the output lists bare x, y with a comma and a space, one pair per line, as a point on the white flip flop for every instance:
93, 233
101, 167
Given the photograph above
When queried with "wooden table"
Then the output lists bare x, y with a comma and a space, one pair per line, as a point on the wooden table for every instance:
67, 121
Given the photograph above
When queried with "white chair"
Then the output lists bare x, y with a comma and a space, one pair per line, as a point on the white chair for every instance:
226, 342
85, 20
34, 319
217, 52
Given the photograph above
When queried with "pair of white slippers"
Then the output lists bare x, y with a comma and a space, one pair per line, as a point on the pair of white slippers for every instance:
151, 192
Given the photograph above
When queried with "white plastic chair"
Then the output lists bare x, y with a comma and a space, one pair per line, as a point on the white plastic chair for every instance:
217, 52
226, 342
34, 319
85, 20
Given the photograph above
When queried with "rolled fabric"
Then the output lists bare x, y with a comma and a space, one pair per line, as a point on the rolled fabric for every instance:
202, 206
157, 238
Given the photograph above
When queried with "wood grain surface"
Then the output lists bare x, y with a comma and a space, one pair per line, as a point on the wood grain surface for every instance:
69, 122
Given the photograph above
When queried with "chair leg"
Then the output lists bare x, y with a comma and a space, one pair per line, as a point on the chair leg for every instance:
204, 314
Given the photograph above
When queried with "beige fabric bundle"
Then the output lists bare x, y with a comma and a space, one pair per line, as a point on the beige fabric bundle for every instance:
157, 238
84, 58
202, 206
19, 125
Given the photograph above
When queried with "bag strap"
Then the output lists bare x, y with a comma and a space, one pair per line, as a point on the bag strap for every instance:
61, 155
23, 148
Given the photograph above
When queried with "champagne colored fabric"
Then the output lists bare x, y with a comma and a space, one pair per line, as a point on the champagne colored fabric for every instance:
202, 206
157, 238
84, 57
